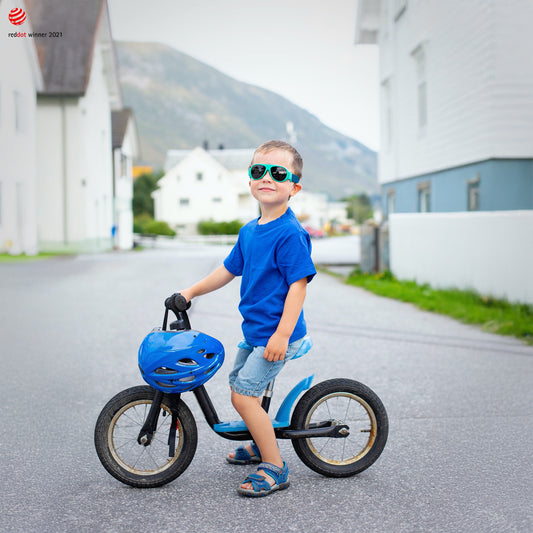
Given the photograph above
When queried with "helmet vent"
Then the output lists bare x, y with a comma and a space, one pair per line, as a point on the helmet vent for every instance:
209, 355
187, 362
165, 385
202, 350
186, 379
165, 370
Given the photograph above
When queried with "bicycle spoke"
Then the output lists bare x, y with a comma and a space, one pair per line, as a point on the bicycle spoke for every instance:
347, 409
129, 417
149, 453
143, 450
128, 442
327, 407
325, 444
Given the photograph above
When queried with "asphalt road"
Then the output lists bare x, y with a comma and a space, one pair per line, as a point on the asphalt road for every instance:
459, 400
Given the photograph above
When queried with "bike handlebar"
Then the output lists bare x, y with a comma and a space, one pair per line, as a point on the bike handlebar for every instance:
177, 302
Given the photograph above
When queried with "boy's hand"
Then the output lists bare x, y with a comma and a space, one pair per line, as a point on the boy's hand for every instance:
276, 347
186, 294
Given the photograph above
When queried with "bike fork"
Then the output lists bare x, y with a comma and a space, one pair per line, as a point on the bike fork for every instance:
147, 431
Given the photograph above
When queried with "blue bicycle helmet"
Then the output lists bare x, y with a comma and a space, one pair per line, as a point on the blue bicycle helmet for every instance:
179, 361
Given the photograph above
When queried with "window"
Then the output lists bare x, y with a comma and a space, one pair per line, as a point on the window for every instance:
199, 176
419, 55
424, 197
184, 202
473, 194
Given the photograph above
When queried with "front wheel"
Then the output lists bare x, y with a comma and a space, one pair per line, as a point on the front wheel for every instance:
117, 429
341, 402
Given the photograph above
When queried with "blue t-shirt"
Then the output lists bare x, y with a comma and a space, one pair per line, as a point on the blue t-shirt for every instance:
269, 257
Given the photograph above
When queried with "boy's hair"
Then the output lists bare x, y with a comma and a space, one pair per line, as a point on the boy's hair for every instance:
297, 162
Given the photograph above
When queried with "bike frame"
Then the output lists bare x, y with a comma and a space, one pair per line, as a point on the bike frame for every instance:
237, 430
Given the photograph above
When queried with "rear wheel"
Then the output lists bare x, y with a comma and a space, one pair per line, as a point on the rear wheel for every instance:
341, 402
162, 461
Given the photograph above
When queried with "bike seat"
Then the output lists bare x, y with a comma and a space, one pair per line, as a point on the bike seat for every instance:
306, 345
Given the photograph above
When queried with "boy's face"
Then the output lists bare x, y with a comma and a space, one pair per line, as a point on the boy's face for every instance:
267, 190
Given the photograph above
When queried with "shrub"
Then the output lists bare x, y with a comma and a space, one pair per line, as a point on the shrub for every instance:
210, 227
140, 222
146, 224
158, 227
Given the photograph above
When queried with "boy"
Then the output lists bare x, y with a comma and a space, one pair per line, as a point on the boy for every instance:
273, 256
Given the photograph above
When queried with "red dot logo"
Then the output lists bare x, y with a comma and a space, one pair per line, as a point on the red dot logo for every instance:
17, 16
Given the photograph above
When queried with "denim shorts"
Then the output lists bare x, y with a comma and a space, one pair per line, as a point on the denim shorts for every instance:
252, 372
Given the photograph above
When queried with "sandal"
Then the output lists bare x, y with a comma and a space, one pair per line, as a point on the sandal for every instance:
261, 487
243, 457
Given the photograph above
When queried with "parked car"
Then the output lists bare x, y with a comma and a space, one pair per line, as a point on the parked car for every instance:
314, 233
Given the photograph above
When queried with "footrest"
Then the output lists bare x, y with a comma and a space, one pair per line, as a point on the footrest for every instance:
239, 425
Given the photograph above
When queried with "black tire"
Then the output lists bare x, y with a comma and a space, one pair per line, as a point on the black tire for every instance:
346, 402
117, 429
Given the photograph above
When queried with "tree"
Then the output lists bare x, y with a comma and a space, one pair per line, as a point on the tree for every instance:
143, 187
359, 208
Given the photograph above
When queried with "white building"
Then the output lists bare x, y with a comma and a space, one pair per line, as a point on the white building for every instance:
74, 148
310, 208
456, 157
20, 79
204, 184
456, 103
314, 210
125, 150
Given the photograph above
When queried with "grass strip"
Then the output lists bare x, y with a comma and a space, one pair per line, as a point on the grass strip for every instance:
493, 315
23, 258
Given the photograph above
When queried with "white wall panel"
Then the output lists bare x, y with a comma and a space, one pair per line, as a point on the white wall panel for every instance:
490, 252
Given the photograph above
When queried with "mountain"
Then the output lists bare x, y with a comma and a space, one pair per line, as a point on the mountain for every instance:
180, 102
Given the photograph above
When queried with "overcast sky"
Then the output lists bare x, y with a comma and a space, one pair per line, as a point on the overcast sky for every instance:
301, 49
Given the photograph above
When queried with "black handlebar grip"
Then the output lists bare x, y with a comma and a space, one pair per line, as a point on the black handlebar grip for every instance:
180, 303
177, 303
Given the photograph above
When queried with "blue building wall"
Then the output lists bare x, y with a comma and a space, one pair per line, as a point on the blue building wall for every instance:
504, 184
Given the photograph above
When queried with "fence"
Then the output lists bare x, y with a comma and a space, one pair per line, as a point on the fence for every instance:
490, 252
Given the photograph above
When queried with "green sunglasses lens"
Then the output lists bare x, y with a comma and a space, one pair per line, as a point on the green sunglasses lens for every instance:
257, 172
279, 173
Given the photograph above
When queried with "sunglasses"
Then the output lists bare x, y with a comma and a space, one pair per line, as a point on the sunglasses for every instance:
278, 173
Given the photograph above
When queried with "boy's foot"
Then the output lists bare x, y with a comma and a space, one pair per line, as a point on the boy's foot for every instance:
245, 455
266, 480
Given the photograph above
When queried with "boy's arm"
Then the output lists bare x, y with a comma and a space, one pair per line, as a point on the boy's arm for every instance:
276, 347
217, 279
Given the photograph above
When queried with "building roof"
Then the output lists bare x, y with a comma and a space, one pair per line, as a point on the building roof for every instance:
65, 59
119, 124
231, 159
